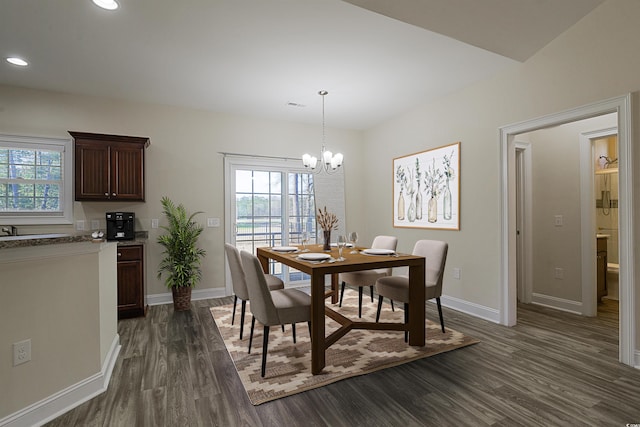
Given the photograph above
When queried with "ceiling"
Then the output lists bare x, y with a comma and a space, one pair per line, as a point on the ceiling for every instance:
269, 58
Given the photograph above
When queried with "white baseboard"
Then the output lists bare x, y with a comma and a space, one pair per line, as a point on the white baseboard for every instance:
477, 310
196, 294
569, 306
636, 363
57, 404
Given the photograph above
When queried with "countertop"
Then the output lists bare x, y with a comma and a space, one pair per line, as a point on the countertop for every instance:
56, 239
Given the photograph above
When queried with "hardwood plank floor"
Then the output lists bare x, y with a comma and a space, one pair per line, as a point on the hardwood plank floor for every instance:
552, 369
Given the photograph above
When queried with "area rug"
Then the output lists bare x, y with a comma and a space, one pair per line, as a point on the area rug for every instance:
358, 352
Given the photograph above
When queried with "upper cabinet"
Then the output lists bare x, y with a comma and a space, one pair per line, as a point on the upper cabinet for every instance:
109, 167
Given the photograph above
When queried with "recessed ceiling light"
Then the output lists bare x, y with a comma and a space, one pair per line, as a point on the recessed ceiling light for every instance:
106, 4
17, 61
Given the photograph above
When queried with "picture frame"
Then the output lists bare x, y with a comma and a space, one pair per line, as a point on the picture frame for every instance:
426, 189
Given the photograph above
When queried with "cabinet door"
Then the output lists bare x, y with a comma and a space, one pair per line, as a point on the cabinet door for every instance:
130, 281
127, 172
92, 171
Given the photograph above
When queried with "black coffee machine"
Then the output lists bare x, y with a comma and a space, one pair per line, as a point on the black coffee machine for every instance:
120, 225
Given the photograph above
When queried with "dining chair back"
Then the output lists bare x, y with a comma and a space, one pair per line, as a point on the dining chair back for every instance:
396, 288
368, 277
271, 308
239, 282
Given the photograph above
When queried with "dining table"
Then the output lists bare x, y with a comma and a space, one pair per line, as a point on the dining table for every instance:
318, 269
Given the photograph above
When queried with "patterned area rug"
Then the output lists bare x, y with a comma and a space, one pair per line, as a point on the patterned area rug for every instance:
358, 352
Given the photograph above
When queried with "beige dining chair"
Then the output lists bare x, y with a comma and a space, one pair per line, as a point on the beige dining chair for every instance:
239, 282
271, 308
396, 288
368, 277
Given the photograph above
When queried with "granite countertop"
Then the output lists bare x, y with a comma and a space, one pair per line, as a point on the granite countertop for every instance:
56, 239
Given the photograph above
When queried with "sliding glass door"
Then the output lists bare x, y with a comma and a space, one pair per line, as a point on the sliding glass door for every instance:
269, 203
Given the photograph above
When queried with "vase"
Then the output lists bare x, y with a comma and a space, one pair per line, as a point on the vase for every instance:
327, 240
446, 201
181, 298
418, 205
401, 206
432, 209
411, 212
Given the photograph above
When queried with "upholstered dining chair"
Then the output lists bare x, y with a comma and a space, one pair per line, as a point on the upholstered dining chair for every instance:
368, 277
271, 308
396, 288
239, 282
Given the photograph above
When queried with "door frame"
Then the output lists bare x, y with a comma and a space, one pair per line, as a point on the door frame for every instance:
588, 220
508, 279
524, 200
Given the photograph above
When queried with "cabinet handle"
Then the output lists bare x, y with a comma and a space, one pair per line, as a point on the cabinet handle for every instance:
113, 194
106, 194
119, 254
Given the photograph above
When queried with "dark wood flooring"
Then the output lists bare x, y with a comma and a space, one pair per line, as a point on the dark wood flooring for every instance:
552, 369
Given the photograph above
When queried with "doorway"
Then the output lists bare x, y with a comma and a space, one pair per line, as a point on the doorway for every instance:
509, 240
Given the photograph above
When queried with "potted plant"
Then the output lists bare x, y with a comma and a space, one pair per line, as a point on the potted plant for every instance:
182, 257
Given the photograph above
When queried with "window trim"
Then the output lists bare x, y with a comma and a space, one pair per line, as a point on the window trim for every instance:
65, 145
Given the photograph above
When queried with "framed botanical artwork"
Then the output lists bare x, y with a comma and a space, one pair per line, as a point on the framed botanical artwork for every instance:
426, 189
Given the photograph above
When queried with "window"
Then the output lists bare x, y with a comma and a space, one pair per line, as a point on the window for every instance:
35, 180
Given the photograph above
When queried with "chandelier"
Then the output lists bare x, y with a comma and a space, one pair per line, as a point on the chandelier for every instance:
328, 161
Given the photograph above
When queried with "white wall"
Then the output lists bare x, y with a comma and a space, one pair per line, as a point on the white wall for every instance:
556, 191
182, 162
588, 63
62, 298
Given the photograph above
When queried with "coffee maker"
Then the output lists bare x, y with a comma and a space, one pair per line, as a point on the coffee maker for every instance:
120, 225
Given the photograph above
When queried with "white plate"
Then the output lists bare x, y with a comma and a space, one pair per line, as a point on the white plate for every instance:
374, 251
335, 245
314, 256
284, 248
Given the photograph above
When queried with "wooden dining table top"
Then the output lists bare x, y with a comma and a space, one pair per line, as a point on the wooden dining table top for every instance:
352, 262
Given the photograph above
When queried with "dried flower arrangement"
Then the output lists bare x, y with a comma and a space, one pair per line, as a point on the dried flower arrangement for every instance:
326, 220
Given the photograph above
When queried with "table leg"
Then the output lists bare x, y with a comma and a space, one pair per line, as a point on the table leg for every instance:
317, 323
264, 262
416, 305
335, 286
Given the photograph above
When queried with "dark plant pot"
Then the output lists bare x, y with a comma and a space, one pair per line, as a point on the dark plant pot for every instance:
181, 298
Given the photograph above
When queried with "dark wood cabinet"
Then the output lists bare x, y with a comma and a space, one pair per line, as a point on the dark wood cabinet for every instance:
601, 269
131, 292
109, 167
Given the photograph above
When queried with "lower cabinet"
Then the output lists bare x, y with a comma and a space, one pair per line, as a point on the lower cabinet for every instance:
601, 267
131, 295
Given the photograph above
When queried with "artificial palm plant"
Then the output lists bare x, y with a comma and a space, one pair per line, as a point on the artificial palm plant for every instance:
182, 257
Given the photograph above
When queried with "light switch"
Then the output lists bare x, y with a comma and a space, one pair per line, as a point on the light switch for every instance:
559, 221
213, 222
154, 223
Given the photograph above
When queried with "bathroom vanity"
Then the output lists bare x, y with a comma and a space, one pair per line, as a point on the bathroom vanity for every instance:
601, 259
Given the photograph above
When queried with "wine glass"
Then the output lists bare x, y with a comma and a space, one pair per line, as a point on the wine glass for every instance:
353, 238
305, 239
342, 241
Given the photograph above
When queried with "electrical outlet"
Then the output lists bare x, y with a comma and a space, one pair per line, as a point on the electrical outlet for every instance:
80, 225
21, 352
213, 222
456, 273
95, 224
559, 273
154, 223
